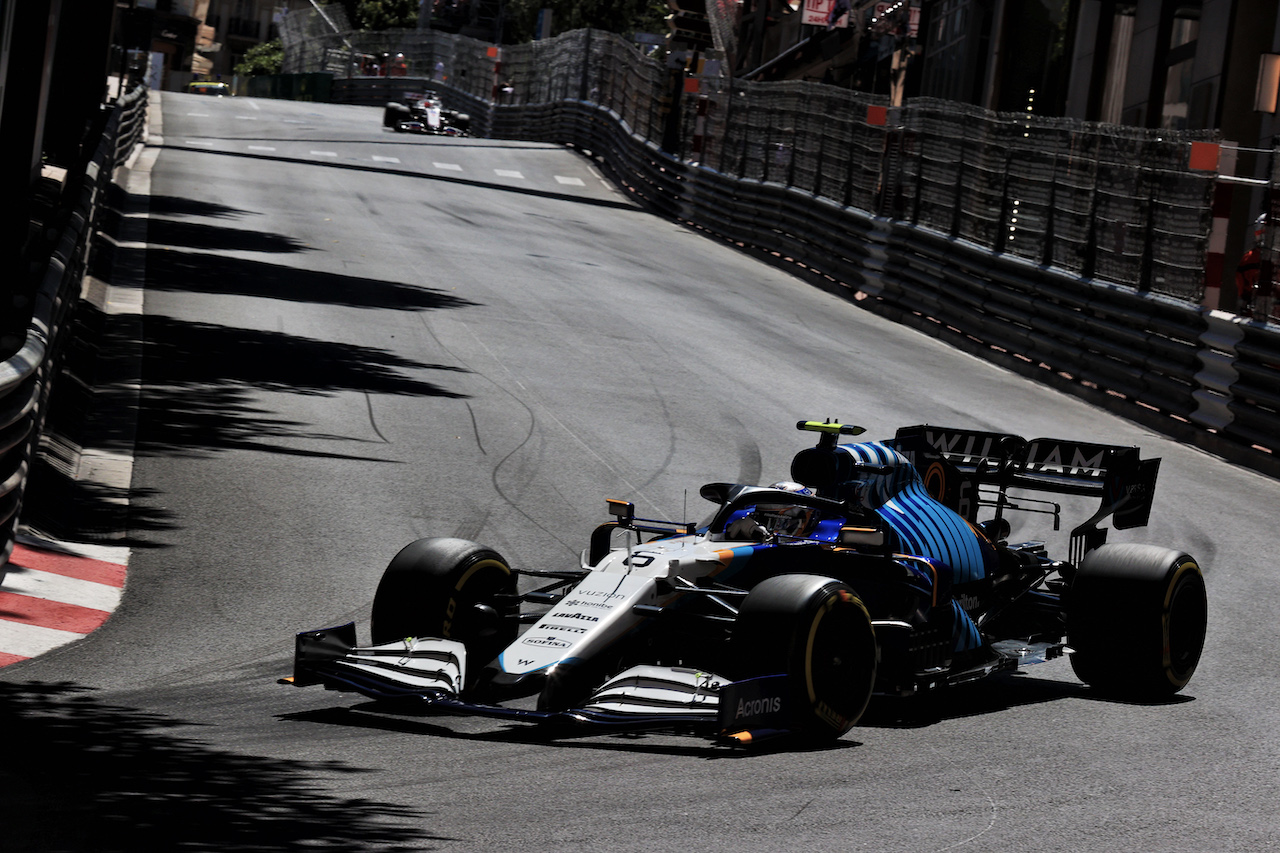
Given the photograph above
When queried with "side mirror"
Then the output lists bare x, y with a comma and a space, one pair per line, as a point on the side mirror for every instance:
624, 511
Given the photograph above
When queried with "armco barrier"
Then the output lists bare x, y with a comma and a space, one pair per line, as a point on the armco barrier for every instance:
26, 377
1208, 378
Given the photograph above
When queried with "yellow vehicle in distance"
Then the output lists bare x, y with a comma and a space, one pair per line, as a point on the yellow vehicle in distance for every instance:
208, 87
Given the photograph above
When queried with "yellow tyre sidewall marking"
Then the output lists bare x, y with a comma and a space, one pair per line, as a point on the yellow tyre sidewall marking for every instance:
452, 606
1186, 567
824, 711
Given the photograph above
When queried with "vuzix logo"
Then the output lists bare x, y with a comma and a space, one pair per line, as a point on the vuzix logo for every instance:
546, 642
756, 707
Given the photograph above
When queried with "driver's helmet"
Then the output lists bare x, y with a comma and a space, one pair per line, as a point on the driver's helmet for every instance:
786, 519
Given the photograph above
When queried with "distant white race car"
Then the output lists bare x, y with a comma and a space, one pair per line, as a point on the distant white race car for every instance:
424, 112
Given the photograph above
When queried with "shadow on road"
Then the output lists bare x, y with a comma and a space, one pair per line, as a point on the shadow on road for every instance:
200, 378
371, 715
81, 775
388, 169
178, 271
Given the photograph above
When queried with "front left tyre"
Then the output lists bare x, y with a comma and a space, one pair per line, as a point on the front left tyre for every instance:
393, 114
816, 631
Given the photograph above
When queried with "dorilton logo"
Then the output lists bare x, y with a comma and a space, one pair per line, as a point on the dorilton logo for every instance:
755, 707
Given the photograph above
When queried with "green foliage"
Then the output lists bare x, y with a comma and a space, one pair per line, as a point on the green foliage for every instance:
616, 16
385, 15
265, 58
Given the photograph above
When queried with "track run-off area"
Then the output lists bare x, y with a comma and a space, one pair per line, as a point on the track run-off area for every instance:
352, 338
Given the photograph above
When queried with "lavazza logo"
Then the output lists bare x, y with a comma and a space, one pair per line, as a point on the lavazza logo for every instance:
755, 707
581, 616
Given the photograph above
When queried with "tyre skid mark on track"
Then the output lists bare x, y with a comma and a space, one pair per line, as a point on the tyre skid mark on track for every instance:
373, 422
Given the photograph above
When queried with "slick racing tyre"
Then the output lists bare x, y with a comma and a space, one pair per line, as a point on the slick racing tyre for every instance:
817, 631
451, 589
1136, 617
393, 114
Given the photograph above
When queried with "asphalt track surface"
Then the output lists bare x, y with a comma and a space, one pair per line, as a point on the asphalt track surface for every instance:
479, 338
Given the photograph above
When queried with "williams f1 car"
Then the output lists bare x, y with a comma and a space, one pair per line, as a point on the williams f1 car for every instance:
880, 568
424, 112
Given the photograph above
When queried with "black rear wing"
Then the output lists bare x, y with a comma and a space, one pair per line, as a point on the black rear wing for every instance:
953, 462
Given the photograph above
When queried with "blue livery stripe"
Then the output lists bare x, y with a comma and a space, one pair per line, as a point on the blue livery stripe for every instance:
923, 526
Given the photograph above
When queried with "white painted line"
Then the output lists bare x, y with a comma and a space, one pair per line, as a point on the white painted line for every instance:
198, 115
261, 148
293, 121
324, 153
508, 173
448, 167
31, 641
247, 118
253, 104
54, 587
570, 182
206, 143
378, 159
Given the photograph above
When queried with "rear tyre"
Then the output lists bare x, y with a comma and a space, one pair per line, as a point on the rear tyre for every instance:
451, 589
1136, 620
817, 631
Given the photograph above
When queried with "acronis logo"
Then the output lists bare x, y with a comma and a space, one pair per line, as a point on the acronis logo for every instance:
756, 707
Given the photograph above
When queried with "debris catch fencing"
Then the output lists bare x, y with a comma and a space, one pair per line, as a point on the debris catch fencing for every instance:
1103, 201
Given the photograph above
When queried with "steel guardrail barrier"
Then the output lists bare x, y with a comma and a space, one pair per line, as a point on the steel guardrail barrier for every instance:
27, 377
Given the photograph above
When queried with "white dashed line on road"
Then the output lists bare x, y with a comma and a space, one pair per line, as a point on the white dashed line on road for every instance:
206, 143
261, 148
198, 115
246, 118
448, 167
570, 182
508, 173
378, 159
324, 153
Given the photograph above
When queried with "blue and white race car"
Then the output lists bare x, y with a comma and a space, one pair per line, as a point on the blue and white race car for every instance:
880, 568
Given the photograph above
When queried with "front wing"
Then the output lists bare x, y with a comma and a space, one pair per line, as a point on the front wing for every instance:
427, 674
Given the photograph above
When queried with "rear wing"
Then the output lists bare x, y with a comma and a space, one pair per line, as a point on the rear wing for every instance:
955, 462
